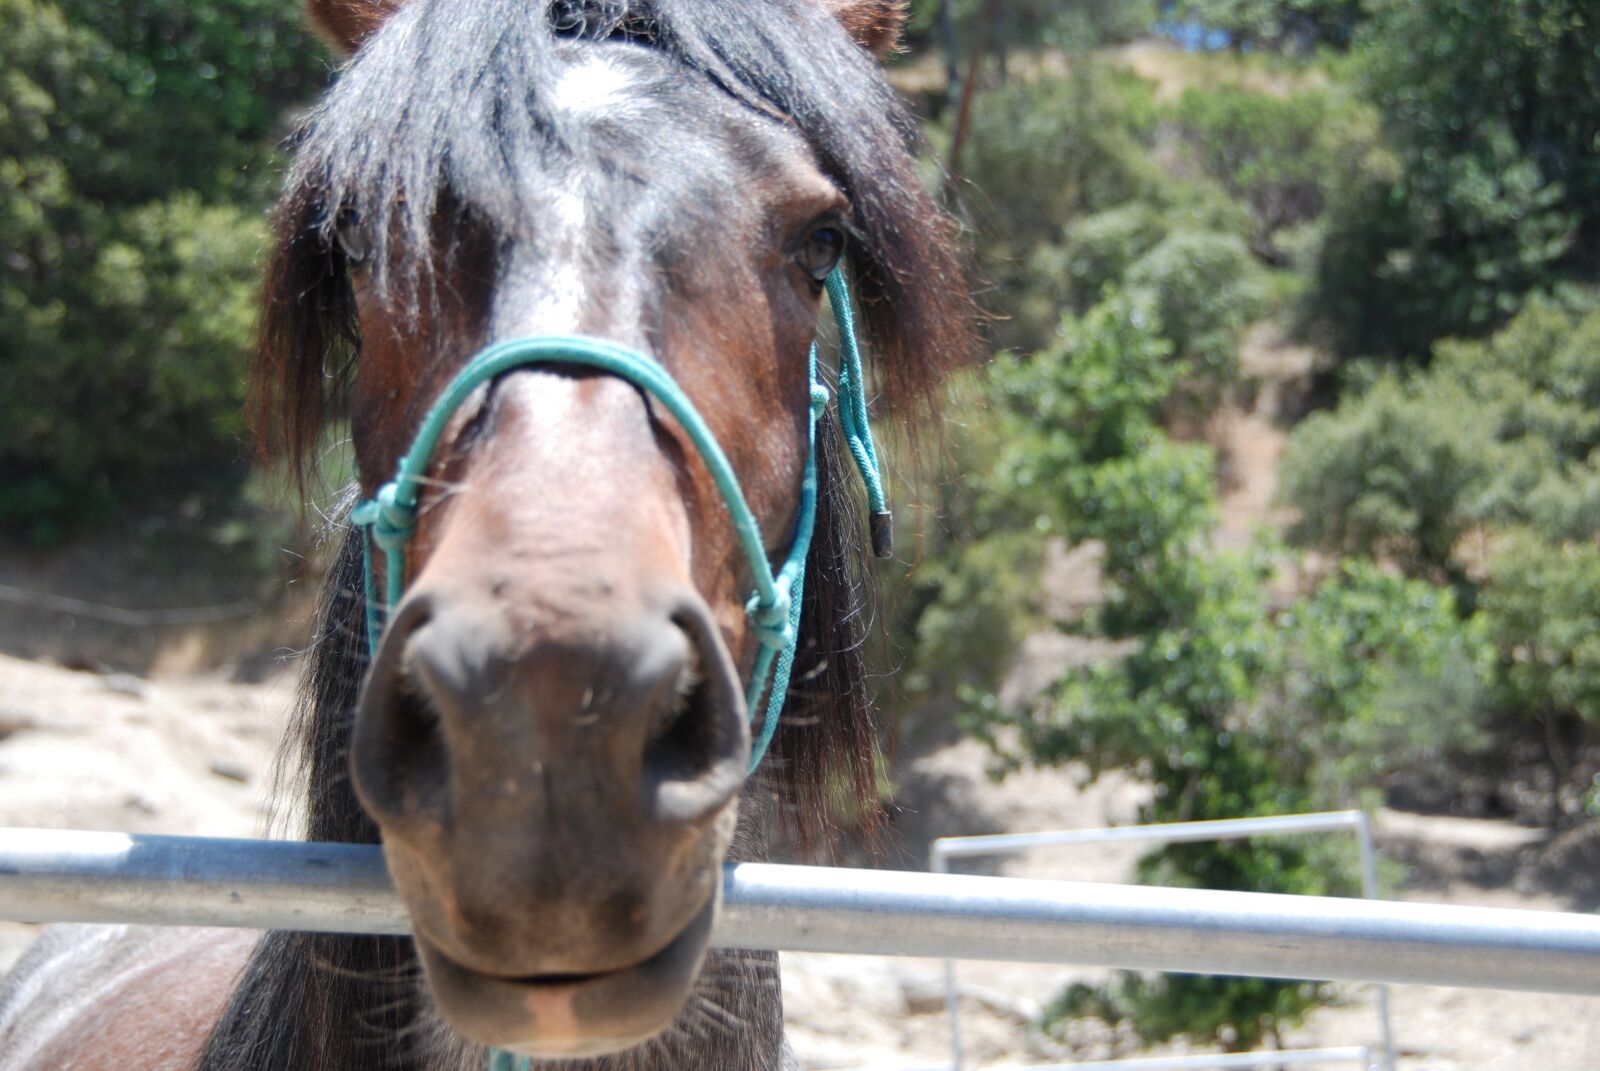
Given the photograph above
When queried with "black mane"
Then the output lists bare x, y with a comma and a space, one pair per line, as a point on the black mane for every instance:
445, 118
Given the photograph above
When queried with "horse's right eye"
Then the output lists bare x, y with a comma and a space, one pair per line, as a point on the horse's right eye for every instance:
821, 251
351, 238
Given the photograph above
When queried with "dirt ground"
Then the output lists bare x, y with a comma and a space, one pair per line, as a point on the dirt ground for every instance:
190, 755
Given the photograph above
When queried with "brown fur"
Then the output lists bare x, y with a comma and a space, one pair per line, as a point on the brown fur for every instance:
346, 24
876, 25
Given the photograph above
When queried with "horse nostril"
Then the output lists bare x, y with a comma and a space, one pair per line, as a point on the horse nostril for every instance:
696, 749
400, 755
683, 737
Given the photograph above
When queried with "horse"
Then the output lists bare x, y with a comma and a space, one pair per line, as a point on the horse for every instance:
549, 738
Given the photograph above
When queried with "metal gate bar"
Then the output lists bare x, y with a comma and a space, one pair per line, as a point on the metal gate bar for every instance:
57, 876
944, 849
1258, 1061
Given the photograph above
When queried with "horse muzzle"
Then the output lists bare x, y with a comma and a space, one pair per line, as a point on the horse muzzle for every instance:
556, 793
571, 1015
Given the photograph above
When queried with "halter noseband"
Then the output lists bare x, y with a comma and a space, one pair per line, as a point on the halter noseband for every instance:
389, 517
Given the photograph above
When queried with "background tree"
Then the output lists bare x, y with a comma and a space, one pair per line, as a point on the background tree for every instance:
1491, 109
135, 165
1224, 705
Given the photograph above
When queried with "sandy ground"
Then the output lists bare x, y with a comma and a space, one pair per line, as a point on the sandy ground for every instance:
81, 750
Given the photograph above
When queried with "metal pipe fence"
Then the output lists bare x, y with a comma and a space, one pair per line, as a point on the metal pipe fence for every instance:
944, 849
64, 876
1260, 1061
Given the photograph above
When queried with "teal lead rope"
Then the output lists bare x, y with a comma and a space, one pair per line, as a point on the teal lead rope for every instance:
500, 1060
853, 417
389, 517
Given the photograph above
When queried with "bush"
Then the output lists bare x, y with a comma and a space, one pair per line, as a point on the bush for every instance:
1042, 153
1035, 23
1380, 678
1206, 289
1277, 154
1224, 710
1499, 436
1491, 110
132, 219
1497, 432
1399, 473
1542, 607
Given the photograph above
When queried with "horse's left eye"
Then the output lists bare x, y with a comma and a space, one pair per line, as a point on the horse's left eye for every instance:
820, 252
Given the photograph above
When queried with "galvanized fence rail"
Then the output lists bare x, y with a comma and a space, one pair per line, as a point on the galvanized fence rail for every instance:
64, 876
944, 849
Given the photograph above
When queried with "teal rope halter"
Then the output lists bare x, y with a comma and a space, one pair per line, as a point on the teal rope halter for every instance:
389, 516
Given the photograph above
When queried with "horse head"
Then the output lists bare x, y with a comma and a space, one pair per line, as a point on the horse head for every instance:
552, 735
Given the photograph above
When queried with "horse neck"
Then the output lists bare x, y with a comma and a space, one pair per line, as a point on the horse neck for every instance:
324, 1002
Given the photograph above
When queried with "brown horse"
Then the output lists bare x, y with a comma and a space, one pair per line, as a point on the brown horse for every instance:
551, 739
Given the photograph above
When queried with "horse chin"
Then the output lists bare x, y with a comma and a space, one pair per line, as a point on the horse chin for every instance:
571, 1015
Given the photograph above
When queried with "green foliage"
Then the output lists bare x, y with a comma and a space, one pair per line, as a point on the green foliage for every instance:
1398, 475
973, 605
1225, 710
1088, 206
1042, 152
1383, 674
1032, 24
1206, 289
1543, 611
1496, 432
131, 215
207, 87
1498, 437
1278, 154
1492, 110
1281, 25
1163, 1007
1096, 251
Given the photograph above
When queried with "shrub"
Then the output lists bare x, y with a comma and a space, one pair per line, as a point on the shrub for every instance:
1380, 677
1497, 432
1042, 153
1491, 110
1276, 153
131, 139
1036, 23
1224, 710
1499, 436
1542, 607
1206, 289
1398, 473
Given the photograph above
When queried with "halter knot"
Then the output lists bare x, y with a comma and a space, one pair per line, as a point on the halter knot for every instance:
390, 520
771, 620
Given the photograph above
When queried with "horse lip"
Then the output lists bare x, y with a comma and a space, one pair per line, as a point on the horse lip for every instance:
614, 1009
574, 980
556, 979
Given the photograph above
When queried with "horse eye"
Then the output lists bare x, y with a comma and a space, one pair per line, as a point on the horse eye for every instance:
821, 251
352, 240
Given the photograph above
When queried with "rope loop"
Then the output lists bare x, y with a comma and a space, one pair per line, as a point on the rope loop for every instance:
390, 520
771, 620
